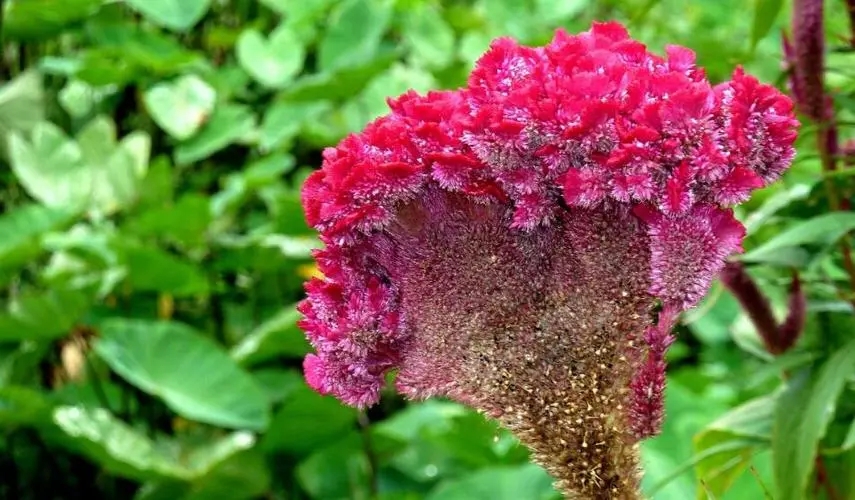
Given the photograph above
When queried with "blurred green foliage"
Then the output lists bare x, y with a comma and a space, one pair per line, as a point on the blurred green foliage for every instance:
152, 248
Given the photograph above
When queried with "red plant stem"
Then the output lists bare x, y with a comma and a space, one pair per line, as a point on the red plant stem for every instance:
822, 480
740, 284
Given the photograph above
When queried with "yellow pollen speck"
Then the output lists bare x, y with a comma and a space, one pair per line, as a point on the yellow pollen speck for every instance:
308, 271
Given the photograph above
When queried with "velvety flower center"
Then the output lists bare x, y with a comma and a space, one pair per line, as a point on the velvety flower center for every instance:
541, 329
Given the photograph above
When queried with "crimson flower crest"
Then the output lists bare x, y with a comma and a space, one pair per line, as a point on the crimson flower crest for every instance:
525, 244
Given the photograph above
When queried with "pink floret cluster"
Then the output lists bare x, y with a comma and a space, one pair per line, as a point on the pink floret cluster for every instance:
589, 120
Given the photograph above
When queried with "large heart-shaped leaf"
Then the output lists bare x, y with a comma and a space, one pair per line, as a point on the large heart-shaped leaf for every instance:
110, 442
188, 371
93, 172
181, 107
177, 15
273, 61
21, 103
126, 451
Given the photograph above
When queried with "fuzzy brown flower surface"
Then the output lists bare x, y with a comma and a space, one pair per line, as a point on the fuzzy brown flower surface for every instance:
508, 244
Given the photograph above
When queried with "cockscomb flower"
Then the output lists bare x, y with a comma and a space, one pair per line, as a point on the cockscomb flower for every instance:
524, 244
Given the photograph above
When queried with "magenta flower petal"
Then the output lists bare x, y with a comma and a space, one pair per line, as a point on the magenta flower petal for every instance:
506, 244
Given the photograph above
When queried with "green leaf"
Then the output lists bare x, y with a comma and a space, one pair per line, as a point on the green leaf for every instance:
688, 413
429, 37
158, 186
229, 123
371, 102
284, 120
524, 482
152, 269
242, 476
802, 416
355, 30
789, 361
772, 205
181, 107
23, 406
123, 450
295, 426
184, 222
735, 436
94, 172
849, 440
821, 230
765, 13
127, 52
111, 443
284, 205
274, 61
21, 103
32, 20
43, 315
471, 440
278, 383
434, 415
517, 21
78, 98
839, 472
752, 419
342, 469
278, 336
340, 83
238, 186
177, 15
188, 371
22, 228
450, 437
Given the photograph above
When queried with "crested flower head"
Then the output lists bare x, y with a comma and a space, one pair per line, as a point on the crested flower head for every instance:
524, 244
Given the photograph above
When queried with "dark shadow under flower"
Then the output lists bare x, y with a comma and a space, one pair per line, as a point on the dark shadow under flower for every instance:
506, 244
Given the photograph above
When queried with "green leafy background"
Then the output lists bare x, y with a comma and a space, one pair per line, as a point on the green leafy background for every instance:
152, 249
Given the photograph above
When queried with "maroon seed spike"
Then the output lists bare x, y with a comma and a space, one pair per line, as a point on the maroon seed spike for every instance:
809, 48
755, 304
792, 327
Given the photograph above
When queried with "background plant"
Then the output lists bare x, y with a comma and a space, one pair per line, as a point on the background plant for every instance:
152, 246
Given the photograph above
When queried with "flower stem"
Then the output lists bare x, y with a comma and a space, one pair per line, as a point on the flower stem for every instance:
823, 481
